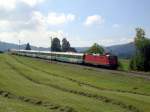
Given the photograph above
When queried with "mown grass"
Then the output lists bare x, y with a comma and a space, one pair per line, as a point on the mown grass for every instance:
71, 88
9, 105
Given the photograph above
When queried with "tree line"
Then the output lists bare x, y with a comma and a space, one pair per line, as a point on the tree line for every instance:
57, 47
65, 47
141, 60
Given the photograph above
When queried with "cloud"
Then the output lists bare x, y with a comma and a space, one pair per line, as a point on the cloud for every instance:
8, 4
38, 21
32, 2
27, 24
34, 20
40, 38
20, 20
94, 20
20, 15
115, 25
11, 4
4, 25
59, 18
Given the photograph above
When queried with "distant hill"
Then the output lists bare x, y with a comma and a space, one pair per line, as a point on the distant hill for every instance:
81, 49
5, 46
122, 51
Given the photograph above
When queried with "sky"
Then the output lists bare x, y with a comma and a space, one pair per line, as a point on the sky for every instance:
82, 22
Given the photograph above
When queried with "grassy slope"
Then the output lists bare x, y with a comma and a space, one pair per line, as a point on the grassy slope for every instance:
8, 105
82, 89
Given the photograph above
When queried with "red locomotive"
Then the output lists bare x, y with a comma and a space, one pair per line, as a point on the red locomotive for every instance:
106, 60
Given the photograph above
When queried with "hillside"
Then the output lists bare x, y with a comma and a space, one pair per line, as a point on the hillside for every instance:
4, 46
31, 85
82, 49
123, 51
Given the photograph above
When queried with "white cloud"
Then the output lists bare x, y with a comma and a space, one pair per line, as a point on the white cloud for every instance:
33, 30
115, 25
11, 4
32, 2
8, 37
8, 4
4, 24
36, 21
59, 18
23, 22
36, 38
94, 19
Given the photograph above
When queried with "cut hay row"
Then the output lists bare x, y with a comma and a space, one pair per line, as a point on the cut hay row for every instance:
70, 87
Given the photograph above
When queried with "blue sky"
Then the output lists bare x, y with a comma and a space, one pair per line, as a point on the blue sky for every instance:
82, 22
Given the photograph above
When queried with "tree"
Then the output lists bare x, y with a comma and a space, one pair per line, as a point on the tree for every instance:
28, 47
65, 45
96, 49
137, 62
141, 59
140, 39
56, 45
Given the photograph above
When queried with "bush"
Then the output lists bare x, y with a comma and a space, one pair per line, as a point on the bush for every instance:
137, 62
1, 52
96, 49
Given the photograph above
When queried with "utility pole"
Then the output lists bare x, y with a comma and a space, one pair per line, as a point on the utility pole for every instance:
19, 45
51, 49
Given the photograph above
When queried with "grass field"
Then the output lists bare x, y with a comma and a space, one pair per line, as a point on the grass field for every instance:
31, 85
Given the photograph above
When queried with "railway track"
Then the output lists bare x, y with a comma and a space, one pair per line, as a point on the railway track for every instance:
145, 75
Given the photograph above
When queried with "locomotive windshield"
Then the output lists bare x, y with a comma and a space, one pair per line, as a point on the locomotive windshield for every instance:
113, 59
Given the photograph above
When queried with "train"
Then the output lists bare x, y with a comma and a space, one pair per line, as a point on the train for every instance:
106, 60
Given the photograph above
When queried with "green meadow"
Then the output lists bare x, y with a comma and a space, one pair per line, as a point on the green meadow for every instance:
32, 85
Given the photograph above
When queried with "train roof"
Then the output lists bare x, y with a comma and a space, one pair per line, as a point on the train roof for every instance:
49, 52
